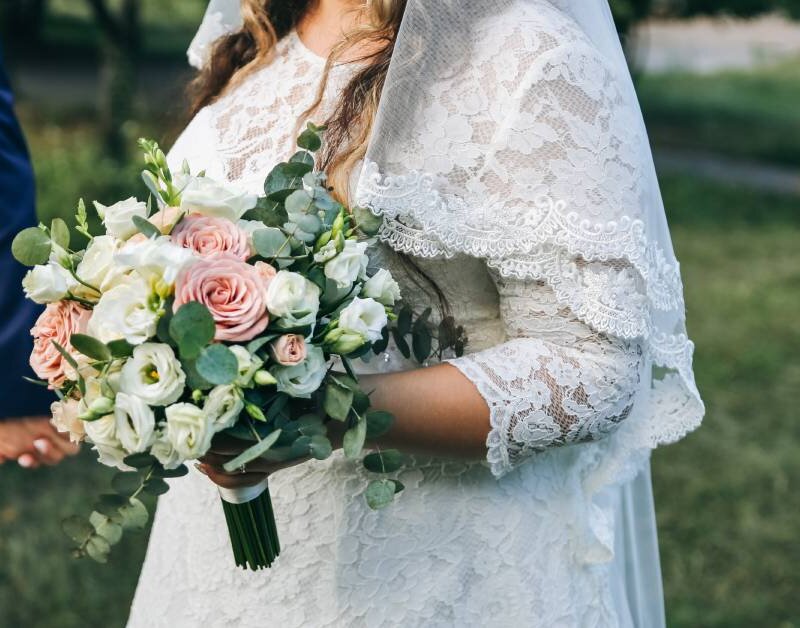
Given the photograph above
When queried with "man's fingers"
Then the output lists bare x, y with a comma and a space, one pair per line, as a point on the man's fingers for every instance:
48, 452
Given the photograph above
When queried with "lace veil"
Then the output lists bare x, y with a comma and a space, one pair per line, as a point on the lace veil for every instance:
510, 130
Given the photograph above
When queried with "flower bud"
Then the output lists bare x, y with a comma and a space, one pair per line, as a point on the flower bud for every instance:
343, 342
254, 411
264, 378
101, 406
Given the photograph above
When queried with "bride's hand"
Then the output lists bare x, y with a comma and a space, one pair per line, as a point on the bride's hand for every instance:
225, 448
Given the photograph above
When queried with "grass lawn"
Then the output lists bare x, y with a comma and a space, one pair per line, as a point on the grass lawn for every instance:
727, 496
751, 114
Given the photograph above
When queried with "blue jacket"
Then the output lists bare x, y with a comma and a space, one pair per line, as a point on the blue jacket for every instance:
17, 315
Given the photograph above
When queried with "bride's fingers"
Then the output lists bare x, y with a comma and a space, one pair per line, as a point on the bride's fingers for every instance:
226, 480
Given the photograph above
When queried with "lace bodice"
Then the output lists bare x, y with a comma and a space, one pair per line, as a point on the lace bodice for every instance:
523, 545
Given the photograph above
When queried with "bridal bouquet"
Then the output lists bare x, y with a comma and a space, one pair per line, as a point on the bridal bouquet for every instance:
215, 312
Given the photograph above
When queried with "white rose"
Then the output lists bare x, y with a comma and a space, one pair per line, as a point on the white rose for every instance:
205, 196
47, 283
189, 430
156, 259
364, 316
103, 434
126, 312
223, 406
382, 287
305, 378
248, 364
153, 374
136, 423
65, 419
326, 253
118, 218
294, 298
164, 452
98, 267
348, 265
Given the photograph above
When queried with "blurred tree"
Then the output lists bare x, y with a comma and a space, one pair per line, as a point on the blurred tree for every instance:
21, 21
122, 45
744, 8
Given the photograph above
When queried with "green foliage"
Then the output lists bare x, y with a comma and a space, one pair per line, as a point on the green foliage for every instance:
192, 328
31, 246
250, 454
218, 365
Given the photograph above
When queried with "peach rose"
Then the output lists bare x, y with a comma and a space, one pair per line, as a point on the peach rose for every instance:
65, 419
233, 292
208, 235
289, 350
267, 271
58, 322
166, 219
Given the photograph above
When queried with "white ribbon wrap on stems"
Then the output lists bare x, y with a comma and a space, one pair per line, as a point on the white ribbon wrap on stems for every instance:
245, 494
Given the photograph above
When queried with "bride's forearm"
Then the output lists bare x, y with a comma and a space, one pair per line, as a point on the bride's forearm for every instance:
437, 411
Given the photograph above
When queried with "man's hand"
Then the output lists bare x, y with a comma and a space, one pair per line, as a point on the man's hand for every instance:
33, 441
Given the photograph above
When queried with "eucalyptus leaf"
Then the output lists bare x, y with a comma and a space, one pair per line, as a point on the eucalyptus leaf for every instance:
126, 483
218, 365
109, 504
134, 515
145, 227
401, 343
302, 157
338, 401
77, 528
354, 438
90, 347
379, 494
298, 202
178, 472
320, 447
386, 461
98, 548
378, 423
140, 461
156, 486
59, 233
421, 344
105, 527
250, 454
192, 328
270, 213
31, 247
367, 222
404, 320
271, 242
310, 140
284, 179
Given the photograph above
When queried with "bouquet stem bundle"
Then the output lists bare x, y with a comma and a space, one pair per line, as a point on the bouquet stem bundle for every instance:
253, 532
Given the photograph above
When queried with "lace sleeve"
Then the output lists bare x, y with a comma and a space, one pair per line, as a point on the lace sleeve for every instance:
555, 381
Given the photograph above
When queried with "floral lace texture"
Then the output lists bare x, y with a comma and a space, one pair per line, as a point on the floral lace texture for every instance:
563, 318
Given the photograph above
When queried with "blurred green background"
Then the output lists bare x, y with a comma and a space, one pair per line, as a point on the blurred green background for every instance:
93, 75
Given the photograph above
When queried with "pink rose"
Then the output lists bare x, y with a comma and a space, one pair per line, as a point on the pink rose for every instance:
289, 350
267, 271
209, 235
58, 322
166, 219
233, 292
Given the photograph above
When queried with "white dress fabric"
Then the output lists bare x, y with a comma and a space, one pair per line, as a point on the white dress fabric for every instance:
555, 528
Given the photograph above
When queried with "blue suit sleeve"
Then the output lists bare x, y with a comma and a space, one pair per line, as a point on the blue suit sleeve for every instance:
17, 315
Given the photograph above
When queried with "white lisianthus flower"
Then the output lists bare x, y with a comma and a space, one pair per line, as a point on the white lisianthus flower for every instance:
189, 430
348, 265
382, 287
98, 267
156, 260
164, 452
364, 316
203, 195
223, 406
47, 283
118, 218
153, 374
136, 423
305, 378
326, 253
248, 364
103, 434
293, 298
125, 311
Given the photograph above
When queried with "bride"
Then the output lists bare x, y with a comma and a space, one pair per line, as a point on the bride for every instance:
503, 144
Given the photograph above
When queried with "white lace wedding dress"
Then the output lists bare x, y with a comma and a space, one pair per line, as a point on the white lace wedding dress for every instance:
541, 533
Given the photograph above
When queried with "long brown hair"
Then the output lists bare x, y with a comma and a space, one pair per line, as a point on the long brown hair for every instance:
349, 125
